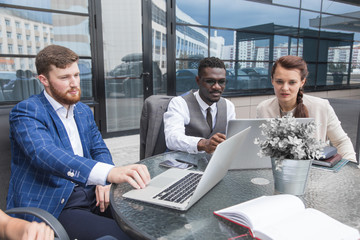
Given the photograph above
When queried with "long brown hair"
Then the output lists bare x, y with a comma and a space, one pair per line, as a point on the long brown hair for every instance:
295, 62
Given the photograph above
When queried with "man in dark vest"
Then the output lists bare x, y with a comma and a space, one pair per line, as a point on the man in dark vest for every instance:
197, 121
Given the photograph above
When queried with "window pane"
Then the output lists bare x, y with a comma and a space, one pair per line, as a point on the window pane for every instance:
310, 50
340, 27
80, 6
320, 77
311, 5
85, 78
186, 72
192, 12
222, 44
337, 7
123, 63
291, 3
253, 46
44, 28
18, 79
243, 14
307, 25
159, 65
191, 42
355, 68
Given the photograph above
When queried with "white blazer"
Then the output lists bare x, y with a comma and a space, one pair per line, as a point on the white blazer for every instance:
329, 126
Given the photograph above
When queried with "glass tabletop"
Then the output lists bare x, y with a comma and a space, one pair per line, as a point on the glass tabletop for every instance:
336, 194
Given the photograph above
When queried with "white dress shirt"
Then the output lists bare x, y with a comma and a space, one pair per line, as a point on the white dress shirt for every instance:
178, 115
98, 174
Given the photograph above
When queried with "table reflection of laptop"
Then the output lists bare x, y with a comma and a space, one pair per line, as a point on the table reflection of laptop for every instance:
247, 153
168, 188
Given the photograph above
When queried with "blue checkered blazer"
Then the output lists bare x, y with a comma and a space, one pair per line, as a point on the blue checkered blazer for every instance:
43, 165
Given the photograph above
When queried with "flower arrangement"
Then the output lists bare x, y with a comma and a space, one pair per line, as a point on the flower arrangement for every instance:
286, 138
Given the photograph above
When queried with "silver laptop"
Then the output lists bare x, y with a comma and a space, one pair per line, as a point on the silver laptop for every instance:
247, 153
158, 191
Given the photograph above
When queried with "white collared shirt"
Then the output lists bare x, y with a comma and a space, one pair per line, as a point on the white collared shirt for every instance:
178, 115
98, 174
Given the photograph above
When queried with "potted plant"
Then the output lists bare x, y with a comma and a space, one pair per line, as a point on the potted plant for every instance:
291, 146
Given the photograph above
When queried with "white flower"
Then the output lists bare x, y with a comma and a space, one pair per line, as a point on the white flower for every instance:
287, 138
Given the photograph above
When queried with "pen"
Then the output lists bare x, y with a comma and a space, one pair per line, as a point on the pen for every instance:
183, 161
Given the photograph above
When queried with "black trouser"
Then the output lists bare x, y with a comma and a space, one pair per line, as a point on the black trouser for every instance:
83, 220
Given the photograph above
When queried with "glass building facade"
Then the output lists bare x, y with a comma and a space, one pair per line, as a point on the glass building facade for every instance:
131, 49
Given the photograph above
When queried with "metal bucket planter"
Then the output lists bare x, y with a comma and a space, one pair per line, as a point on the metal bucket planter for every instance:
290, 176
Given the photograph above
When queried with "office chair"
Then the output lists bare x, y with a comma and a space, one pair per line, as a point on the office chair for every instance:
152, 136
46, 217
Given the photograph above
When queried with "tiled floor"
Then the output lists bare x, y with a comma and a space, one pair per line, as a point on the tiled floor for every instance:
124, 150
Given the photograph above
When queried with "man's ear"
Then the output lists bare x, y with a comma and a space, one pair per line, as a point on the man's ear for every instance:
197, 78
43, 80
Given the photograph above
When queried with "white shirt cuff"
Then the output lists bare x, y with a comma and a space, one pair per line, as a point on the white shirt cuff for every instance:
99, 173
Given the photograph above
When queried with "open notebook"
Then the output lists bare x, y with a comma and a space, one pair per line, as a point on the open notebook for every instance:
180, 188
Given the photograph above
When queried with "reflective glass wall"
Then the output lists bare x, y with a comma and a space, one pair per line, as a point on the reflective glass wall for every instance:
26, 27
250, 34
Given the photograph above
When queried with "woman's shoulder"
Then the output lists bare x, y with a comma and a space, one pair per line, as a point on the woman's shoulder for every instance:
268, 102
314, 100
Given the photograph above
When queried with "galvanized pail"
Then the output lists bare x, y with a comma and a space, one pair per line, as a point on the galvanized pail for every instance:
291, 175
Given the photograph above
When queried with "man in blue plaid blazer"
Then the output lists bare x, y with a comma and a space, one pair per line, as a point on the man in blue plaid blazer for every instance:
60, 162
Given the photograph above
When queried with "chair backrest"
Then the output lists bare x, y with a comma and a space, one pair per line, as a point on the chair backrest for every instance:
152, 137
5, 151
59, 230
348, 112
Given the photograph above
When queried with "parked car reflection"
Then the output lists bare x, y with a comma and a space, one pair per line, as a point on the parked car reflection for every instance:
259, 77
237, 81
185, 80
22, 86
125, 80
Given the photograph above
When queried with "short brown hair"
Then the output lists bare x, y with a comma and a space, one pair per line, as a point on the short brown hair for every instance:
56, 55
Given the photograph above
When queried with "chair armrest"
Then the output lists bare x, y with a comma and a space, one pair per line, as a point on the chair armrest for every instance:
45, 216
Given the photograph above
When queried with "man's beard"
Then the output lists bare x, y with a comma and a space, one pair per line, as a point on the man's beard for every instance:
63, 97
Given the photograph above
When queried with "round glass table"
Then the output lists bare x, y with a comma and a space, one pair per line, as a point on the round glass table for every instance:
335, 193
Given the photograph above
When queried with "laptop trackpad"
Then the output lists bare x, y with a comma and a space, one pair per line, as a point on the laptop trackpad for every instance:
161, 182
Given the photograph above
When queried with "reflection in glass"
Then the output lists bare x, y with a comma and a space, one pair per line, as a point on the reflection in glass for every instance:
39, 29
80, 6
338, 7
192, 12
191, 42
355, 66
159, 66
311, 5
243, 14
123, 63
306, 25
252, 47
222, 44
85, 78
340, 27
186, 72
291, 3
18, 79
316, 76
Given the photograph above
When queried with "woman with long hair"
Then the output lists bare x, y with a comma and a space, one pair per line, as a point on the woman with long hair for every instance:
288, 76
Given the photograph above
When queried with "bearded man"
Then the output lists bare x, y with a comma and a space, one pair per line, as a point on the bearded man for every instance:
59, 160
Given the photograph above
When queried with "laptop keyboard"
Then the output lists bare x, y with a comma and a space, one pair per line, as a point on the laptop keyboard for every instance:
181, 190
